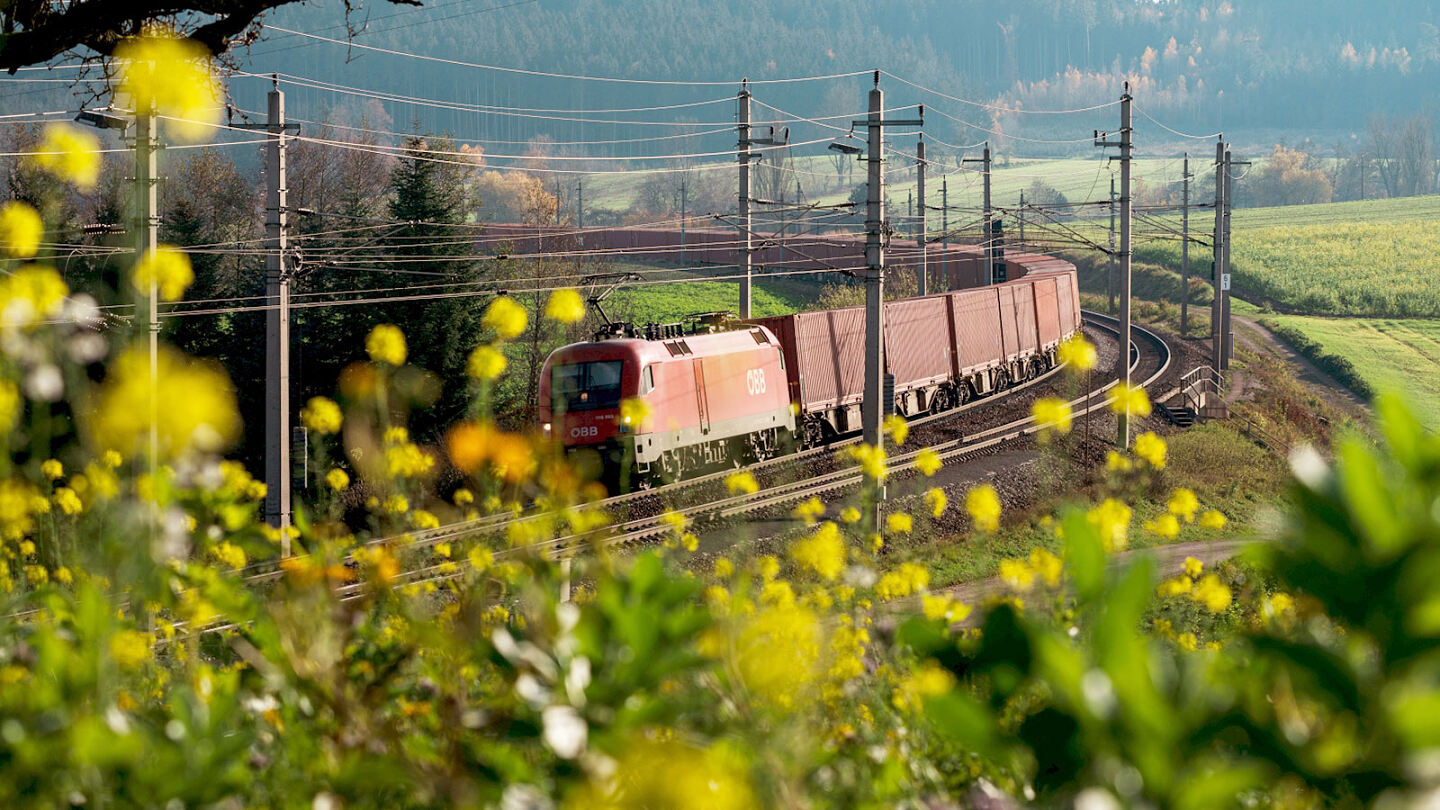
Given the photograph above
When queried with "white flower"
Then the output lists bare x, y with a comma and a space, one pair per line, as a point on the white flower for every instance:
565, 731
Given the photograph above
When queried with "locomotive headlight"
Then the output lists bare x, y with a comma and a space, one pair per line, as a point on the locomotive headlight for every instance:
626, 420
545, 428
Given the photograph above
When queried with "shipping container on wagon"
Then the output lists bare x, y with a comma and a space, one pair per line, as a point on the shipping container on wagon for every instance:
1009, 335
824, 356
975, 316
1047, 311
1066, 303
917, 342
1025, 316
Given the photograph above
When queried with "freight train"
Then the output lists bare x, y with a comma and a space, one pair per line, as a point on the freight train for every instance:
718, 393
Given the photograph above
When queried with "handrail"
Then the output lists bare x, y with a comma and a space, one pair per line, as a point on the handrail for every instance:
1199, 381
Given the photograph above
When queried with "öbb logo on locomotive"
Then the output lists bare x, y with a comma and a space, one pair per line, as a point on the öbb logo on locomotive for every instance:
942, 350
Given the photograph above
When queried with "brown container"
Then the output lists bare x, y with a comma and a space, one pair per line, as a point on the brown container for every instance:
917, 342
976, 318
1025, 315
824, 356
1047, 311
1065, 302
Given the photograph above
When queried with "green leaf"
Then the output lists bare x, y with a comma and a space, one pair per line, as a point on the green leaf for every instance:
1328, 671
1084, 555
964, 719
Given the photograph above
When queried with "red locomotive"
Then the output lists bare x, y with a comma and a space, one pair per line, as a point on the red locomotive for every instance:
720, 393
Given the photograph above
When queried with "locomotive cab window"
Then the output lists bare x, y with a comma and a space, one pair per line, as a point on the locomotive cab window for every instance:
589, 386
647, 380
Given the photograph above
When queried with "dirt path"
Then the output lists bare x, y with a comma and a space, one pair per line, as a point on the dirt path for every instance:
1251, 335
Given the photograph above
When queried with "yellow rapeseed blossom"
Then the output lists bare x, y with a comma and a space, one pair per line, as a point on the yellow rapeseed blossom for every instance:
1183, 504
229, 553
899, 523
741, 482
485, 363
173, 77
983, 504
870, 458
337, 479
130, 648
406, 460
1179, 586
809, 510
935, 499
823, 552
907, 579
69, 153
1164, 525
196, 406
565, 306
1118, 462
634, 412
1187, 642
21, 229
943, 607
1193, 567
1077, 353
67, 501
397, 504
505, 318
386, 344
849, 515
1130, 399
1212, 519
168, 269
1111, 520
30, 294
52, 469
1017, 574
768, 567
664, 773
424, 520
321, 415
9, 405
1047, 566
463, 497
723, 568
927, 461
930, 680
1212, 593
1151, 448
1052, 413
777, 654
897, 428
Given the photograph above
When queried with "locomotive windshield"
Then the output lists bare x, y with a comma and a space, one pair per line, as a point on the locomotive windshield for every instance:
586, 386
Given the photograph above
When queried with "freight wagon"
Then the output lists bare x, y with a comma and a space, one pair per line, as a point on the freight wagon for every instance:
716, 393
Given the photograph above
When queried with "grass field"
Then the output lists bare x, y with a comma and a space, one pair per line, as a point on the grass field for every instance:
1402, 356
670, 302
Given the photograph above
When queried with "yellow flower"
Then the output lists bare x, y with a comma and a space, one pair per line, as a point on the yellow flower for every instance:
1193, 567
424, 520
871, 460
1212, 519
914, 687
1046, 566
386, 344
29, 294
463, 497
111, 459
1165, 525
52, 469
71, 154
1212, 593
397, 504
850, 515
565, 306
899, 523
130, 648
64, 576
480, 558
943, 607
322, 416
1178, 586
1077, 353
173, 76
983, 504
897, 428
1118, 462
1183, 504
809, 511
741, 482
168, 269
505, 318
1017, 574
822, 552
337, 479
634, 412
777, 653
21, 229
1130, 399
196, 406
9, 405
664, 771
1151, 448
1052, 413
230, 554
768, 567
1111, 520
485, 363
936, 500
1187, 641
67, 501
407, 461
909, 578
927, 461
